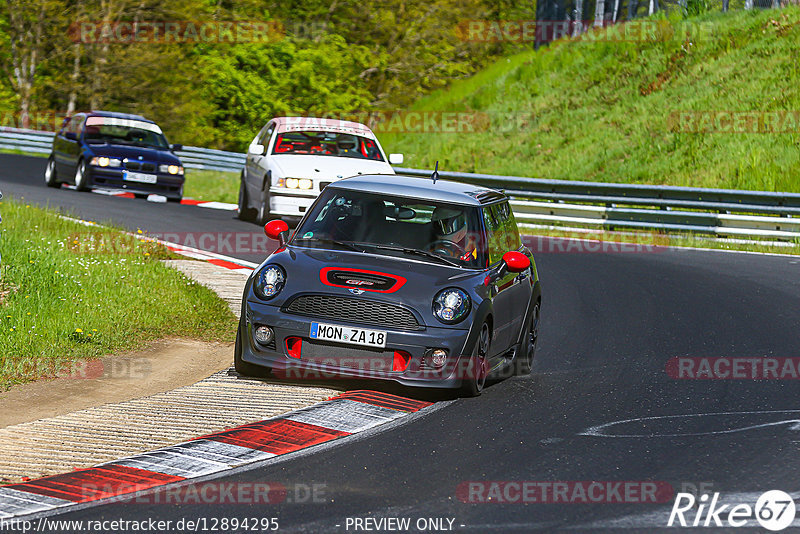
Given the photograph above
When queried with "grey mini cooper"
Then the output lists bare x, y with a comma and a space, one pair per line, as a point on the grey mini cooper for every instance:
417, 281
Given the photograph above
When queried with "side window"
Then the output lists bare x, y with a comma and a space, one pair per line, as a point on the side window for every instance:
65, 126
495, 238
502, 232
260, 135
266, 135
76, 124
81, 120
510, 226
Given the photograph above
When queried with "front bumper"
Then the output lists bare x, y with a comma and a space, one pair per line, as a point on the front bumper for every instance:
168, 185
290, 202
328, 360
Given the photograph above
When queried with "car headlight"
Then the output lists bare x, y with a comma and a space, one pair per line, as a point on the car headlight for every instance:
295, 183
170, 169
269, 282
103, 161
451, 305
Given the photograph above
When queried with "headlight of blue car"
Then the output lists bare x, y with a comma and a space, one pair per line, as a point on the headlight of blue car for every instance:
451, 305
269, 281
103, 161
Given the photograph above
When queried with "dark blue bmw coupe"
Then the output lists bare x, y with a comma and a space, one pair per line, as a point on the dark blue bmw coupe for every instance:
115, 150
417, 281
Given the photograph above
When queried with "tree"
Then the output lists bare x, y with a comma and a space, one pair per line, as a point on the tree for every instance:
29, 28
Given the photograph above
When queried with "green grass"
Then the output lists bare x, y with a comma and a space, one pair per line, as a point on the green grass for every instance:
600, 111
212, 185
71, 293
22, 153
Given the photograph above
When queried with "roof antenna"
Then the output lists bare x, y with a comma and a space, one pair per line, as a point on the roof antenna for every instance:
435, 175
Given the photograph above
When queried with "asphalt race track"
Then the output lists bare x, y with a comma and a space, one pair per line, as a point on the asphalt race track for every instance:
611, 322
22, 176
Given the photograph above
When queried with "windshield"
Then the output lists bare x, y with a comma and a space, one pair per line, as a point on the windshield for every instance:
395, 226
101, 130
327, 144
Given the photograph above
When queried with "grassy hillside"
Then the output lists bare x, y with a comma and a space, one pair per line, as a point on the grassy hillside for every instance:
593, 110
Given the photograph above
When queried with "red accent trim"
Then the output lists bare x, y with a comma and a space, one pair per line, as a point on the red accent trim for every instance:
281, 146
294, 346
385, 400
399, 280
277, 436
400, 360
275, 228
226, 264
516, 261
96, 483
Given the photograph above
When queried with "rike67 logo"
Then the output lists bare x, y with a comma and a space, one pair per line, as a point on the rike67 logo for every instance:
774, 510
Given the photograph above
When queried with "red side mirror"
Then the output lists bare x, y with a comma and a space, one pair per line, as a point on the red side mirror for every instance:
516, 261
275, 229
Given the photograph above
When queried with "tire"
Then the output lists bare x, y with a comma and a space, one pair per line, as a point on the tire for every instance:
523, 362
50, 175
242, 367
245, 213
81, 177
263, 215
474, 378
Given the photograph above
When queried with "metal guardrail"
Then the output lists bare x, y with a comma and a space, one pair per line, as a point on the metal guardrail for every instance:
191, 156
26, 140
209, 159
722, 212
613, 206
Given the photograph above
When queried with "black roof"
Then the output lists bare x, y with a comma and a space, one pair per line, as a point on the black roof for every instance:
417, 187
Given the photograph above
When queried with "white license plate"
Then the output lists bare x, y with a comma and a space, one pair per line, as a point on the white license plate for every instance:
348, 334
139, 177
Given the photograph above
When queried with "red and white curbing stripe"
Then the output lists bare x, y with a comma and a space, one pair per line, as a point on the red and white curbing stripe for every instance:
220, 260
344, 415
186, 201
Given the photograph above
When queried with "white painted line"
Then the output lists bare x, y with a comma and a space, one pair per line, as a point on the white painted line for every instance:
106, 192
218, 451
172, 463
345, 415
218, 206
14, 502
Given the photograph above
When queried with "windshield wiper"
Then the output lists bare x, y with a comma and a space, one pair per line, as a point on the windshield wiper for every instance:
418, 252
345, 244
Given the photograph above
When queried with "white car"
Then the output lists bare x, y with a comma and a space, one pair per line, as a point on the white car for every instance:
292, 159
